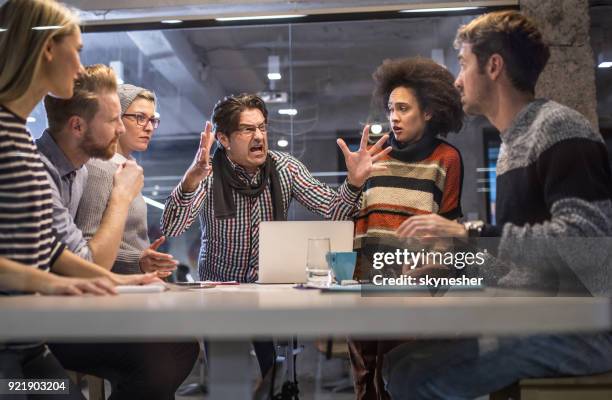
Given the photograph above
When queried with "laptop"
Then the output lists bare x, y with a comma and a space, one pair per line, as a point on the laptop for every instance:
283, 246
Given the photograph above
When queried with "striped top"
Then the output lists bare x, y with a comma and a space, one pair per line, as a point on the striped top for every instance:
230, 247
425, 181
26, 208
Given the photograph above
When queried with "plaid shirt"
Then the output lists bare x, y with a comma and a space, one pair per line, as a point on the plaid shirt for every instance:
230, 247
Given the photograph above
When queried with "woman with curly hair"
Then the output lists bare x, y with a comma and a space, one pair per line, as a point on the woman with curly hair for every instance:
423, 175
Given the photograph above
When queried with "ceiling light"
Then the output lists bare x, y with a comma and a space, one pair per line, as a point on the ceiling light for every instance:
274, 68
376, 128
3, 30
282, 143
441, 9
46, 28
605, 64
171, 21
31, 119
153, 203
117, 66
287, 111
258, 17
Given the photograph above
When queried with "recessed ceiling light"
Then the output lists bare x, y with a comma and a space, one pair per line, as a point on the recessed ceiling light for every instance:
274, 76
376, 128
287, 111
47, 27
31, 119
441, 9
171, 21
258, 17
605, 64
3, 30
283, 143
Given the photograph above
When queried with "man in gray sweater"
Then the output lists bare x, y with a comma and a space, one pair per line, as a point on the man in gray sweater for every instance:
554, 207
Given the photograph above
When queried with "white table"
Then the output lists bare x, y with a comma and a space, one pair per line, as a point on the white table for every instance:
231, 316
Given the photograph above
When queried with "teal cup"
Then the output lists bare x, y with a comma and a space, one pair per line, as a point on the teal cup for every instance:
342, 263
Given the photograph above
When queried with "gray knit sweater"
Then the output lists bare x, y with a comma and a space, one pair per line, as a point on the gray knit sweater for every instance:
554, 204
93, 204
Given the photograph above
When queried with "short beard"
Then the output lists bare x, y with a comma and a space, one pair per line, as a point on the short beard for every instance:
95, 150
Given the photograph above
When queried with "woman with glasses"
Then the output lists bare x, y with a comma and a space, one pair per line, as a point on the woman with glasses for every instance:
136, 254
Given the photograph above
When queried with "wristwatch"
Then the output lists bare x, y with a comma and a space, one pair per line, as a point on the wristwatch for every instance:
473, 228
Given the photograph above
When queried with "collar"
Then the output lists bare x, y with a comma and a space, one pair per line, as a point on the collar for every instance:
522, 119
242, 172
414, 151
119, 159
17, 117
56, 156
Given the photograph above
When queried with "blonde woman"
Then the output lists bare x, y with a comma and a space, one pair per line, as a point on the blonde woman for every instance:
40, 42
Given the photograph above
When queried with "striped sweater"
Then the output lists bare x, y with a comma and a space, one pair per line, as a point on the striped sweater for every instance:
424, 178
554, 203
230, 247
26, 209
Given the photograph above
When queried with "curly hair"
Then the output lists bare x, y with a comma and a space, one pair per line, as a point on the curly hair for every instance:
226, 113
513, 36
432, 85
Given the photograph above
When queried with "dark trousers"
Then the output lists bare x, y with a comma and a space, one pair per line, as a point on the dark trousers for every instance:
264, 350
135, 370
35, 363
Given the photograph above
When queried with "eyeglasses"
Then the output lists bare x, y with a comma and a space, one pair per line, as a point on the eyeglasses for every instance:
143, 120
249, 130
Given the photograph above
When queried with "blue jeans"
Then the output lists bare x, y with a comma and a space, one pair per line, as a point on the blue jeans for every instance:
467, 368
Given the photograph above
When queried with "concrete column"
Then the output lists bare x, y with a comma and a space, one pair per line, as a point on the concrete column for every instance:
569, 77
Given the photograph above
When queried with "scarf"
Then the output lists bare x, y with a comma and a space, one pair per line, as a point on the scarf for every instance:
413, 151
226, 181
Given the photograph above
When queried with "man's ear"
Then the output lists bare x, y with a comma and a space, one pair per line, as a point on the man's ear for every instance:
495, 66
77, 126
223, 139
427, 115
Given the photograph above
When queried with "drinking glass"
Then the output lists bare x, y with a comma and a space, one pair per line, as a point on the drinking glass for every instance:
318, 269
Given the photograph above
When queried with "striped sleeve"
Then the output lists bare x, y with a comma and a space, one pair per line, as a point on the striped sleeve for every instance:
26, 210
182, 209
320, 198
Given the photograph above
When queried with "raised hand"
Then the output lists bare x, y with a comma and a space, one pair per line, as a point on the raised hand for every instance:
200, 167
128, 180
153, 261
360, 163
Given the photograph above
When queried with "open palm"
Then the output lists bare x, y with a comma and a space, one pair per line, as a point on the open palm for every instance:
361, 163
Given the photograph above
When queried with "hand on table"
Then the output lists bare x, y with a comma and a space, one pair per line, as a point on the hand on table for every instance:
430, 226
62, 285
